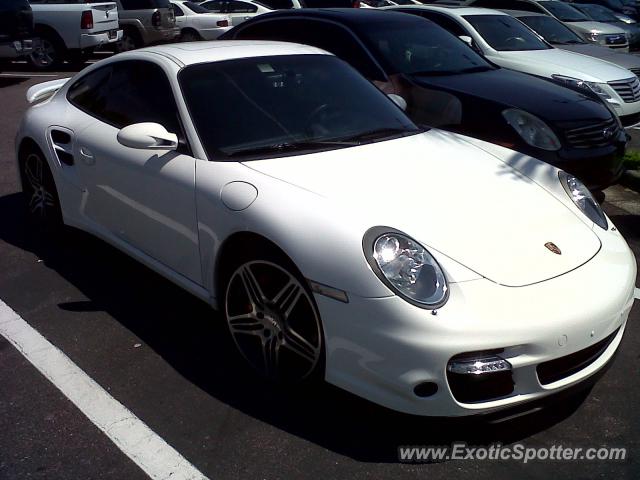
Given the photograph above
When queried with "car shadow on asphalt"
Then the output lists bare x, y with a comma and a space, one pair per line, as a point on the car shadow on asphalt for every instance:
203, 353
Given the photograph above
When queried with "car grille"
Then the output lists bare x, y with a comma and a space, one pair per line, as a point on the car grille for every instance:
563, 367
616, 39
629, 89
593, 136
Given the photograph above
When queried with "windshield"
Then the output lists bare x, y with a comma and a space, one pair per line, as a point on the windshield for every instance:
598, 13
420, 47
195, 8
282, 105
565, 12
505, 33
552, 30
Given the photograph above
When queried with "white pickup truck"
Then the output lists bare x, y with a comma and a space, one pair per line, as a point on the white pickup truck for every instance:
71, 29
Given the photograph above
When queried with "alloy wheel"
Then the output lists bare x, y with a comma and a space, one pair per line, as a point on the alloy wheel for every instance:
45, 54
273, 321
41, 200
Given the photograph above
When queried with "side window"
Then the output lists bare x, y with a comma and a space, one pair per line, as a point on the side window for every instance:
90, 92
241, 7
527, 7
215, 6
177, 11
332, 38
277, 4
126, 93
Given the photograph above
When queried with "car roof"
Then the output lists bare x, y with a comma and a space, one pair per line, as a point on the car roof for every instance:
523, 13
218, 51
456, 11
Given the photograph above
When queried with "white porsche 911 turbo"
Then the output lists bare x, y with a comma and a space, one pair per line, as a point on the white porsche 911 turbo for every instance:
429, 272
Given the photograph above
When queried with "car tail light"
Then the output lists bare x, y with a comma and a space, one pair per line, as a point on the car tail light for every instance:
156, 19
222, 23
86, 21
356, 4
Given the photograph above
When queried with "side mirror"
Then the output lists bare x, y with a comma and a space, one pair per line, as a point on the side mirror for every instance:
466, 39
398, 100
149, 136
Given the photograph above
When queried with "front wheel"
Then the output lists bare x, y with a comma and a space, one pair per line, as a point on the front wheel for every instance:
274, 321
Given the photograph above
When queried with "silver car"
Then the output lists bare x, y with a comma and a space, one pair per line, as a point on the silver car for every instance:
560, 36
595, 32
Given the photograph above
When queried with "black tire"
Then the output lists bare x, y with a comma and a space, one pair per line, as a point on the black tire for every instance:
42, 203
130, 41
190, 36
48, 54
273, 319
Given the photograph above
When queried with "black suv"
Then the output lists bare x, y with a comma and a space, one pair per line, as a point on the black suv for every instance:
16, 28
446, 84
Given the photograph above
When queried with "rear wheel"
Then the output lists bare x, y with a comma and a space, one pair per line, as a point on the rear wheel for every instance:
39, 190
273, 319
48, 53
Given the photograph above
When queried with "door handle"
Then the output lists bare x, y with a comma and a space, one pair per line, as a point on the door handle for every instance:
87, 156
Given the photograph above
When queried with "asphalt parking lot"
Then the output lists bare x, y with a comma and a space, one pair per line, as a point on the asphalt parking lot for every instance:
167, 358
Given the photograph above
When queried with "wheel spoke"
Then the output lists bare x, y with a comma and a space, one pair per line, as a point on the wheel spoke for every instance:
33, 178
299, 345
252, 288
271, 355
287, 298
245, 324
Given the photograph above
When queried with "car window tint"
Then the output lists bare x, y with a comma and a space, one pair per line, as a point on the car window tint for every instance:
90, 92
177, 11
330, 37
565, 12
505, 33
215, 6
552, 30
126, 93
240, 107
445, 22
508, 5
241, 7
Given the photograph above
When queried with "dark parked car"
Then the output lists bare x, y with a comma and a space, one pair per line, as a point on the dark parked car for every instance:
16, 28
448, 85
619, 6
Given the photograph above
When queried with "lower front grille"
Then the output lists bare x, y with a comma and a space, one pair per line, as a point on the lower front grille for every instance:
628, 89
635, 71
593, 136
563, 367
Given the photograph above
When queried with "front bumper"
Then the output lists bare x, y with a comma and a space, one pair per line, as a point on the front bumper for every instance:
17, 48
92, 40
382, 348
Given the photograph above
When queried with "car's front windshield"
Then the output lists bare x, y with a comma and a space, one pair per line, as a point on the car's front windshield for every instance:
505, 33
415, 46
262, 107
565, 12
552, 30
598, 13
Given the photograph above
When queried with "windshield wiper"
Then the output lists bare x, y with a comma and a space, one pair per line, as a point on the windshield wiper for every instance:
380, 133
291, 147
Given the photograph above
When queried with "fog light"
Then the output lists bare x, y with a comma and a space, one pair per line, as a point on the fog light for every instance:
478, 366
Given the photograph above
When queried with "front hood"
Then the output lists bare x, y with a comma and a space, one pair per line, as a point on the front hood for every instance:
451, 196
596, 27
544, 98
561, 62
623, 60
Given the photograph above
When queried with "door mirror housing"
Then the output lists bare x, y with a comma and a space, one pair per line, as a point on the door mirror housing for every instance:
398, 100
466, 39
147, 136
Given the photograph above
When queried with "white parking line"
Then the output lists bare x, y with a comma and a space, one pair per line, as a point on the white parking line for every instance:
27, 75
148, 450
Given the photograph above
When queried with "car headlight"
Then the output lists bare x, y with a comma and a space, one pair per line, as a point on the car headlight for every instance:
595, 37
583, 199
532, 130
597, 88
406, 267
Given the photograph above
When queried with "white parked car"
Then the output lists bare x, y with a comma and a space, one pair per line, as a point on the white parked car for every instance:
198, 23
429, 272
71, 30
510, 44
238, 10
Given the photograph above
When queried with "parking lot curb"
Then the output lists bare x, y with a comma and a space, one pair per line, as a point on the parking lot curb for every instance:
631, 179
